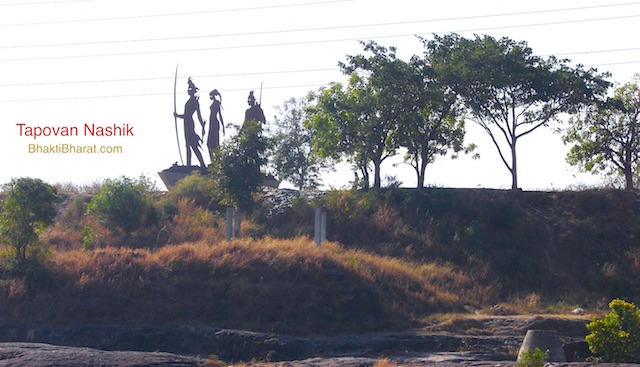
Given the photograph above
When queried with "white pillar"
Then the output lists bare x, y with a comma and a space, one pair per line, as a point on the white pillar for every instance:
318, 223
237, 224
229, 223
323, 227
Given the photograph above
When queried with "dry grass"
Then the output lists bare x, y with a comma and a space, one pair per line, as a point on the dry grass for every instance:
397, 257
385, 362
192, 223
268, 284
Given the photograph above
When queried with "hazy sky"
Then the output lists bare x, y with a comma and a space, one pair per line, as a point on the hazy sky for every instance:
112, 63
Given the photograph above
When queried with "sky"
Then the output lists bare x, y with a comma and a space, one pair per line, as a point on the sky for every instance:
83, 64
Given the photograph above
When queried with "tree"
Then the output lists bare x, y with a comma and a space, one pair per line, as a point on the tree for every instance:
122, 203
429, 117
606, 136
360, 122
293, 155
27, 209
236, 167
509, 92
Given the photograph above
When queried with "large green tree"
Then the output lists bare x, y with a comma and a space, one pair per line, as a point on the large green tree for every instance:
606, 136
293, 155
360, 121
507, 90
27, 209
430, 117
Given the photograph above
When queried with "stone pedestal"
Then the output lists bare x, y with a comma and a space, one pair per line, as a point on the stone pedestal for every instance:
175, 173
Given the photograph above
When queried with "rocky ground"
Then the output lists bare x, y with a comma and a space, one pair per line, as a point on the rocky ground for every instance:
45, 355
456, 341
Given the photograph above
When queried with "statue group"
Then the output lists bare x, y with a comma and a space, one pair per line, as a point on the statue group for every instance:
192, 107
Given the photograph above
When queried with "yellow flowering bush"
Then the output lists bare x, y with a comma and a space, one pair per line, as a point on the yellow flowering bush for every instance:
616, 338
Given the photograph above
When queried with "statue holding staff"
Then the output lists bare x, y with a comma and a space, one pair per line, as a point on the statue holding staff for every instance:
192, 139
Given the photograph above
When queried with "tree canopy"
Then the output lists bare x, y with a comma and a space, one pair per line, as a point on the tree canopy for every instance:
606, 136
27, 210
359, 121
293, 156
236, 167
430, 120
388, 104
507, 90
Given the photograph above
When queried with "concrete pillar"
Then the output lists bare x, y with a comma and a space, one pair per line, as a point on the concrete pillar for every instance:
323, 227
236, 232
229, 223
545, 340
317, 225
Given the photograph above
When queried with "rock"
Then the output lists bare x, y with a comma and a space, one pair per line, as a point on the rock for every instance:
46, 355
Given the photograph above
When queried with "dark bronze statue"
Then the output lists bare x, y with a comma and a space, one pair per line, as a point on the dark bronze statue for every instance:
254, 112
213, 139
191, 137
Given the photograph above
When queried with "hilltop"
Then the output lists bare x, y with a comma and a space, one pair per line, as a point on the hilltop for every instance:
396, 259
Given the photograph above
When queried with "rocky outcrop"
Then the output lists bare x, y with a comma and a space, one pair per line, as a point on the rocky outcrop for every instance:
469, 341
45, 355
246, 345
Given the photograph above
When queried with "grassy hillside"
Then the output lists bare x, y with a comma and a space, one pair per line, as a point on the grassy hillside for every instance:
395, 257
575, 246
267, 284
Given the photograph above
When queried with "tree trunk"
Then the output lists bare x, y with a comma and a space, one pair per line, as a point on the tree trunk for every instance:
365, 177
628, 171
628, 176
303, 173
514, 166
377, 182
421, 174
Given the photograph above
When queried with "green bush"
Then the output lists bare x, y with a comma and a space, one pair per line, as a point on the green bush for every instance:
122, 204
616, 338
196, 187
532, 359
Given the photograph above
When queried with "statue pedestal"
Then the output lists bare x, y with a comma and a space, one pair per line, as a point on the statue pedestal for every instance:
175, 173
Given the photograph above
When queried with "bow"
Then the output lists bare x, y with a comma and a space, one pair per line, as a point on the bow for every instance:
175, 118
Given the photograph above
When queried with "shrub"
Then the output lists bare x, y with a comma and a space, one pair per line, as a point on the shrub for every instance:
196, 187
616, 338
121, 204
534, 358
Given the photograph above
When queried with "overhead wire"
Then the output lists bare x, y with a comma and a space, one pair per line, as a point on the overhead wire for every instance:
304, 42
45, 2
49, 99
314, 29
296, 43
137, 17
265, 72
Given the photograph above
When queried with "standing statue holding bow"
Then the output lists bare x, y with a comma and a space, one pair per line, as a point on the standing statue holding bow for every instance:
191, 137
